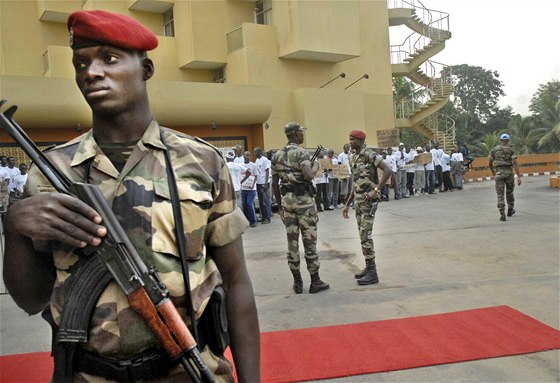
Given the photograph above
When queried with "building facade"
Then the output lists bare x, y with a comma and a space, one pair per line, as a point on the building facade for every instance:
229, 71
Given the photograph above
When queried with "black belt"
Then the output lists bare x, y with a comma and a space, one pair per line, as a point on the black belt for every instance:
148, 365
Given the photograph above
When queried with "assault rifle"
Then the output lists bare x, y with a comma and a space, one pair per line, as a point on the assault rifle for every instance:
316, 153
115, 258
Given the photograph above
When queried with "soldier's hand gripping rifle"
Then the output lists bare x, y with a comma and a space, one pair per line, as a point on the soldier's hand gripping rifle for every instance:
146, 293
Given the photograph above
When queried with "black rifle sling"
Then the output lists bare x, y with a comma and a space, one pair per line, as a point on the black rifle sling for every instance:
180, 237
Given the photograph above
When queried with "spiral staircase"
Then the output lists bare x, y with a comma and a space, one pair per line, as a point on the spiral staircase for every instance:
412, 58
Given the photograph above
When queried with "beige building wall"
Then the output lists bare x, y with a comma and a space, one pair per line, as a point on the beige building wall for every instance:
273, 73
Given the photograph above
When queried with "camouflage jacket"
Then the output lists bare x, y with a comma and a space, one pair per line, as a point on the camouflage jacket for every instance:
288, 164
502, 156
140, 199
364, 168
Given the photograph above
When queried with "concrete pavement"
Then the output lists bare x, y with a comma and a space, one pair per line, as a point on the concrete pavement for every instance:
435, 254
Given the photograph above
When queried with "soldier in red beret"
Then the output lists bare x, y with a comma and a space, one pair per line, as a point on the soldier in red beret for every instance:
127, 154
366, 193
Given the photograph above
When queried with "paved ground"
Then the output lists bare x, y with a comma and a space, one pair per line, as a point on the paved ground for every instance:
435, 254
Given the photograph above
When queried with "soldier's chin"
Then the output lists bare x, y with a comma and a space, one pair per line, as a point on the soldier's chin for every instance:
105, 109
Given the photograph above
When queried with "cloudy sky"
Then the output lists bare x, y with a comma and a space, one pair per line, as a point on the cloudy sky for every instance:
519, 39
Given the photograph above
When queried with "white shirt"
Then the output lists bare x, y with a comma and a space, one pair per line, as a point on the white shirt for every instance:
235, 170
18, 182
262, 163
344, 158
8, 175
391, 161
457, 157
409, 157
445, 160
400, 157
252, 167
437, 155
239, 160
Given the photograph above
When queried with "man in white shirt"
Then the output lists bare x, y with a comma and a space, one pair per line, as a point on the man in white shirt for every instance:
430, 176
333, 185
437, 155
10, 172
249, 189
446, 172
345, 183
410, 170
237, 172
392, 162
320, 181
238, 150
263, 173
457, 168
400, 157
419, 175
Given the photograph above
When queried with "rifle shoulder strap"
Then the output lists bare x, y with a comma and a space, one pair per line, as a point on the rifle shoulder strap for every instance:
180, 236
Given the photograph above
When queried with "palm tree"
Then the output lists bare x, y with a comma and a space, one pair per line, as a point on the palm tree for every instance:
549, 135
523, 137
487, 142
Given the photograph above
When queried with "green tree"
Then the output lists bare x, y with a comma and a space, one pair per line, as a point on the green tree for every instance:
486, 143
548, 131
549, 90
476, 93
523, 137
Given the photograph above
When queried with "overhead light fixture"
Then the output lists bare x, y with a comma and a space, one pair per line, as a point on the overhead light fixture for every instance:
342, 75
366, 76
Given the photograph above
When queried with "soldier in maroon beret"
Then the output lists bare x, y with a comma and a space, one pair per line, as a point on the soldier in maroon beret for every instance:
130, 157
366, 192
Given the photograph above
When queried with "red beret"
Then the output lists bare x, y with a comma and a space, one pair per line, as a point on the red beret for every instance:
89, 28
358, 134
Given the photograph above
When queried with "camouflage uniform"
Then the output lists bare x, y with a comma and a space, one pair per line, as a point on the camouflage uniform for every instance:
299, 210
503, 157
140, 199
364, 165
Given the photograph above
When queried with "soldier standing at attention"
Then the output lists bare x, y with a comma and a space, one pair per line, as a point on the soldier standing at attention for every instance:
504, 159
129, 155
366, 192
292, 167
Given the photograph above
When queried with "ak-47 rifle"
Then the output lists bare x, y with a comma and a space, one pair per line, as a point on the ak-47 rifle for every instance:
146, 293
316, 153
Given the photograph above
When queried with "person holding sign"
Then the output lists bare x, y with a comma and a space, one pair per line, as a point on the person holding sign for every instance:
366, 193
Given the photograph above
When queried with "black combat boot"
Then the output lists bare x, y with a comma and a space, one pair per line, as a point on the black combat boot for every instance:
502, 216
371, 274
317, 285
511, 211
298, 282
361, 274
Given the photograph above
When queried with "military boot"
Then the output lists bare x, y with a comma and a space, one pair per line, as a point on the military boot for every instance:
361, 274
511, 211
502, 216
371, 274
317, 285
298, 282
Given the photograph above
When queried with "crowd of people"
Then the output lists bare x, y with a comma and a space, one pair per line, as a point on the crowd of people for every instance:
12, 181
413, 175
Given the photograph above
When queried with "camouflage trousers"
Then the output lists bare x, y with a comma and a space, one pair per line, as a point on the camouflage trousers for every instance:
304, 221
505, 182
365, 228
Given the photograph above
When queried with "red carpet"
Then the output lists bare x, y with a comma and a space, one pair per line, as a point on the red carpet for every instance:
396, 344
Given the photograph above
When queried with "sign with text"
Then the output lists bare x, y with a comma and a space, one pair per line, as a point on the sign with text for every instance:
387, 138
341, 171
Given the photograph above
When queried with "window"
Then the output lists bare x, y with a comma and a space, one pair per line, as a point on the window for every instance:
218, 75
168, 26
263, 14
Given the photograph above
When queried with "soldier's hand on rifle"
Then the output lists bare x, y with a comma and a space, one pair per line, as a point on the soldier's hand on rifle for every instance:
372, 195
59, 217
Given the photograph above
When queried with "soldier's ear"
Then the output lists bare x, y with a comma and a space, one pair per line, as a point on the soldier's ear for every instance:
148, 68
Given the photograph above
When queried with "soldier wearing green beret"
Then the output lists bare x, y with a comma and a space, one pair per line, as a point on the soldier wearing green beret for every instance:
292, 172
